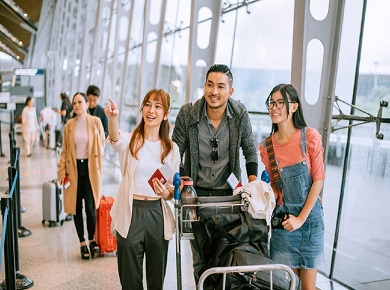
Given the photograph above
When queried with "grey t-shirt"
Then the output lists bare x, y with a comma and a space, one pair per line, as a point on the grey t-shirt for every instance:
213, 174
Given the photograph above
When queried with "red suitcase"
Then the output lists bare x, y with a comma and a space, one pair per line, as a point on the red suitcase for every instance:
105, 240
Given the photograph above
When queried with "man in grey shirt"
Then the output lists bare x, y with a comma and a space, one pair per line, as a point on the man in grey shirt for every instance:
210, 133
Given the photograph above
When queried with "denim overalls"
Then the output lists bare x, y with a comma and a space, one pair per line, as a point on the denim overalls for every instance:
304, 247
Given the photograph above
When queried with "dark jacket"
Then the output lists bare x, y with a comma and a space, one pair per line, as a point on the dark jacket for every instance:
186, 134
99, 112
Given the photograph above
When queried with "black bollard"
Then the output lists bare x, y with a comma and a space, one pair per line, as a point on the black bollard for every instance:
22, 231
12, 145
9, 245
12, 172
1, 144
22, 281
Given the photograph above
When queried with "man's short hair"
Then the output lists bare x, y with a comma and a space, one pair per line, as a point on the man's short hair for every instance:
93, 90
221, 68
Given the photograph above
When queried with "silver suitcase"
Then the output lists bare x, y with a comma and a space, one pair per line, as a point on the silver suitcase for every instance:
52, 203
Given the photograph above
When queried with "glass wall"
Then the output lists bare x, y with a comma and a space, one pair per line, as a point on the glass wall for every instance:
256, 41
358, 163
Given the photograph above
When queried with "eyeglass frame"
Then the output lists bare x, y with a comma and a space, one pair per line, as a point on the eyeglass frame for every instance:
271, 104
214, 145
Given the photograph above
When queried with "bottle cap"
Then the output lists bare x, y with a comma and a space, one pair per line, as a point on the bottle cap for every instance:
188, 181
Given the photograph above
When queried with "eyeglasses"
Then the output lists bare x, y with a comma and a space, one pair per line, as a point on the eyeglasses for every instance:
279, 104
214, 146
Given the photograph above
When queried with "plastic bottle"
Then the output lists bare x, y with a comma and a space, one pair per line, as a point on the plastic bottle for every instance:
188, 197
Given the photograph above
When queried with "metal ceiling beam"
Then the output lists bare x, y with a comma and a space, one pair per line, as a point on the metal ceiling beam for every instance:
30, 25
4, 48
19, 47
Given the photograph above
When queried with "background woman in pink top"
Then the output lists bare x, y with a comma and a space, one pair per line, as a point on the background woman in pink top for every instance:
81, 162
299, 242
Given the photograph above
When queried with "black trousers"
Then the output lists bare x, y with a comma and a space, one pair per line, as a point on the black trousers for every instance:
145, 237
84, 191
196, 259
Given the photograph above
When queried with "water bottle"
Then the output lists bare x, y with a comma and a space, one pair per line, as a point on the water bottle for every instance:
188, 197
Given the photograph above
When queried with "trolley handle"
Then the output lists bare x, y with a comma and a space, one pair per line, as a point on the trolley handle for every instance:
248, 268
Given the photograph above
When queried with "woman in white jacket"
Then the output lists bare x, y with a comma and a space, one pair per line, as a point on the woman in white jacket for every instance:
29, 125
140, 215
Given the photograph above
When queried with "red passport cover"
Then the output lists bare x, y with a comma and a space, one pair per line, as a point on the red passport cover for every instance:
163, 174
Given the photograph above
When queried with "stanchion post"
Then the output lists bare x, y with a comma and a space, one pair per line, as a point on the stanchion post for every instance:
11, 147
17, 188
9, 245
22, 281
22, 231
11, 176
1, 144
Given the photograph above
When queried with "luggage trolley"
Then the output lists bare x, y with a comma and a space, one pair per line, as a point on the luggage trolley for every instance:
202, 204
247, 269
233, 205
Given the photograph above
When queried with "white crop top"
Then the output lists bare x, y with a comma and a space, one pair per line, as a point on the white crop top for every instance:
149, 157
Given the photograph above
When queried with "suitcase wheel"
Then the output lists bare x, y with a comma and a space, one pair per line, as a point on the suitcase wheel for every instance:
62, 222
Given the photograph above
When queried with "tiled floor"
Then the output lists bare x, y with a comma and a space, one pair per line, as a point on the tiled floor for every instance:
50, 256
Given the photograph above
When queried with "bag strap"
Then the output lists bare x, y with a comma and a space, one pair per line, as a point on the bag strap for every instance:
272, 161
245, 230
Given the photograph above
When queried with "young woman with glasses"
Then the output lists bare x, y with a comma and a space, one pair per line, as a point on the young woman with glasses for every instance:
299, 156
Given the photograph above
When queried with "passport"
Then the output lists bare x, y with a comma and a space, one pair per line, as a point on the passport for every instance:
163, 174
66, 181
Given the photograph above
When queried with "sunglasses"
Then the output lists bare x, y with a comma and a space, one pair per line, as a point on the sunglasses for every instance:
214, 145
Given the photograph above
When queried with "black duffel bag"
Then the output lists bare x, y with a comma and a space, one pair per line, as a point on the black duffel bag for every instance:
218, 235
259, 280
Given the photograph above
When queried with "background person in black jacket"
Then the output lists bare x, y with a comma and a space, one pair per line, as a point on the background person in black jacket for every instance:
66, 109
93, 94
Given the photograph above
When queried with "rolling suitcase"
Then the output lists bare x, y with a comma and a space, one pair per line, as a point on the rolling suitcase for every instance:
105, 240
52, 204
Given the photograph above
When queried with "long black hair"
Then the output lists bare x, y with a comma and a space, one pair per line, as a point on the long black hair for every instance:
289, 94
28, 99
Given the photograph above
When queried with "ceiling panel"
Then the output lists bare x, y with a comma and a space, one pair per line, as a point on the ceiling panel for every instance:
19, 22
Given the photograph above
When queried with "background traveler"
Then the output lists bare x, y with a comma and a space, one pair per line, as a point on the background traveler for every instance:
30, 127
142, 218
81, 162
93, 94
66, 108
299, 155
